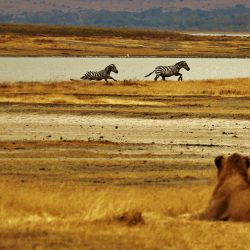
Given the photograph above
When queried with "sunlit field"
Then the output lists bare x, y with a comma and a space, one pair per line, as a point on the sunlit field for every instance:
43, 40
72, 177
56, 215
207, 98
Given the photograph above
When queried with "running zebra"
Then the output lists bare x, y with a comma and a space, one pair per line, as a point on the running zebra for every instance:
167, 71
99, 75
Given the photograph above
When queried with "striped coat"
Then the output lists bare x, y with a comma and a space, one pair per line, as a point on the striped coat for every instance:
102, 74
167, 71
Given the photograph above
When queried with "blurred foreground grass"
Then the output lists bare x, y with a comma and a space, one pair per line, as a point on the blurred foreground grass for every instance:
44, 215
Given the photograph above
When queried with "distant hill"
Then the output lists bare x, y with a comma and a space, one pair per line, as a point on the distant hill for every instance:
215, 15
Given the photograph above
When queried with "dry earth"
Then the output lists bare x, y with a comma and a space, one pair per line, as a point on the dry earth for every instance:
97, 166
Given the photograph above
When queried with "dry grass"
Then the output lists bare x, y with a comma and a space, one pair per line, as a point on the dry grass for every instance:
228, 87
46, 203
104, 195
42, 40
50, 203
108, 217
208, 98
93, 203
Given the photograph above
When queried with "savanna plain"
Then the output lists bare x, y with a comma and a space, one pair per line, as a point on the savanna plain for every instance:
95, 165
44, 40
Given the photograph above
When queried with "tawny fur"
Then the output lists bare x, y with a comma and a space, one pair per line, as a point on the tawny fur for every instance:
231, 197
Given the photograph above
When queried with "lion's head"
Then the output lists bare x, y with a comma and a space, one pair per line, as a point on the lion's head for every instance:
234, 164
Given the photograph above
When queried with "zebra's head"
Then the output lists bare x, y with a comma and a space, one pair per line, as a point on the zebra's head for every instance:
184, 65
112, 68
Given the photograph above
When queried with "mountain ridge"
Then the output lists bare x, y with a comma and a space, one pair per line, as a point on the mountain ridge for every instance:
229, 17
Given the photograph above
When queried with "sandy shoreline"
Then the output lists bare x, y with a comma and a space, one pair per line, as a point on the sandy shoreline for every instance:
216, 135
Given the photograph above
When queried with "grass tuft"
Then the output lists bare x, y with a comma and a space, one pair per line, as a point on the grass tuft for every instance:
131, 218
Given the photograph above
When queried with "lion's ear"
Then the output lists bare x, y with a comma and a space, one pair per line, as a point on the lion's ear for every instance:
218, 161
247, 161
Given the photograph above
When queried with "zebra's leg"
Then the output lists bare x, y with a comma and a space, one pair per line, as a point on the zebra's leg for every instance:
163, 78
157, 76
180, 77
110, 77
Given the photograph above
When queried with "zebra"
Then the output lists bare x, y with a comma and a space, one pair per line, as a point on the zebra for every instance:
167, 71
102, 74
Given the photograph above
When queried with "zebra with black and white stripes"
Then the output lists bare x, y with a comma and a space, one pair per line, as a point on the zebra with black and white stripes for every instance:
167, 71
102, 74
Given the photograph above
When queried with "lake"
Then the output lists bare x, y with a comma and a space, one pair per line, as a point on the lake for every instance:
64, 68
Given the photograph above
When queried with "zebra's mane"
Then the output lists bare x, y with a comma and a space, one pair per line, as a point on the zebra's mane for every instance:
181, 62
110, 66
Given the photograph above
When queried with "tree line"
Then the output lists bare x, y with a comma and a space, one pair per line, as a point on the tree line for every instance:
235, 18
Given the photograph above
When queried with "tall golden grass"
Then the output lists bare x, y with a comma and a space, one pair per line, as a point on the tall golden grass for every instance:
95, 203
110, 217
224, 87
188, 98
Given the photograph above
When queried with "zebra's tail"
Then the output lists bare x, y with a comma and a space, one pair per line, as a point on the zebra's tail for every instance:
149, 74
74, 80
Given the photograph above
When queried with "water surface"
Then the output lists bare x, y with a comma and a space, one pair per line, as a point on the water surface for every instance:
64, 68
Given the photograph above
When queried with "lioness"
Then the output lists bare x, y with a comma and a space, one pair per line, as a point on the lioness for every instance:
231, 197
